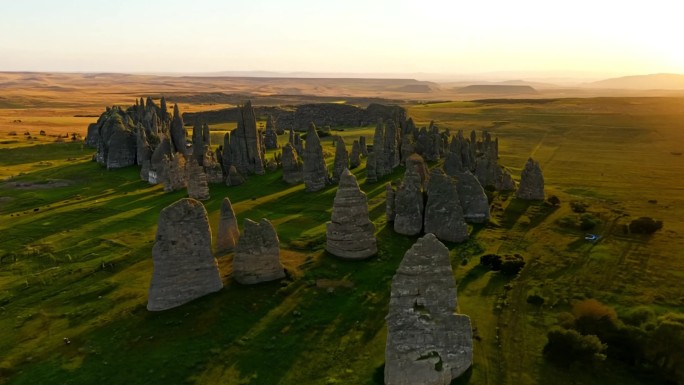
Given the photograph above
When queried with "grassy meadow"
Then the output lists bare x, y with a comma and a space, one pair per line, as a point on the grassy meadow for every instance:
76, 240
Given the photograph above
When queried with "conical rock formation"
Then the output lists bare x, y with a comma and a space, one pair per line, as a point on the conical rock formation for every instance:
228, 232
350, 233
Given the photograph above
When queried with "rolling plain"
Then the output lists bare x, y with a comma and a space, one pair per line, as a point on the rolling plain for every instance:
76, 239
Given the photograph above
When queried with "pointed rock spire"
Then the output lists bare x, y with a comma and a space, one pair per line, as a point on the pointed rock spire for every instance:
350, 233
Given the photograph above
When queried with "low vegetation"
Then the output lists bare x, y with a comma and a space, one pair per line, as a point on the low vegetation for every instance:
75, 263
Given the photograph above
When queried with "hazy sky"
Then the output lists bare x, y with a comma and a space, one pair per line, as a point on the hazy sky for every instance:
369, 36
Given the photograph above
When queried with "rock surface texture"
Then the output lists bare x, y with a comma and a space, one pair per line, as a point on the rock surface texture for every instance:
292, 166
257, 254
228, 232
315, 172
531, 182
408, 204
341, 162
197, 181
473, 198
427, 343
350, 233
443, 212
184, 268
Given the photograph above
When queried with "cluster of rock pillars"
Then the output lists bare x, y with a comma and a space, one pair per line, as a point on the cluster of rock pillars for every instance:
427, 342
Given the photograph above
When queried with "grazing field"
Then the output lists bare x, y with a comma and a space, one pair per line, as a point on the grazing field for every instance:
76, 240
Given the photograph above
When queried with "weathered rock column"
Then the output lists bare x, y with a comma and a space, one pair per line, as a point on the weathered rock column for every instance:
350, 233
427, 343
184, 268
257, 254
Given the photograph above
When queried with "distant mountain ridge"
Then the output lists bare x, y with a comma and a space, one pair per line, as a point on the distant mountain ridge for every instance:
662, 81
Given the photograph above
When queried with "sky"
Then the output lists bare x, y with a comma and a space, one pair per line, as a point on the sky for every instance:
577, 38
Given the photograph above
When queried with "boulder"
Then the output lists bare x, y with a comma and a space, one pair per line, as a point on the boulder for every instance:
427, 343
228, 232
350, 233
257, 254
184, 268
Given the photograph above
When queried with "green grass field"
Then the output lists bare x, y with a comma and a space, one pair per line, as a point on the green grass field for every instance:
76, 240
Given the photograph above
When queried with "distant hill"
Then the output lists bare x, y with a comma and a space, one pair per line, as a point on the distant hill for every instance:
496, 89
642, 82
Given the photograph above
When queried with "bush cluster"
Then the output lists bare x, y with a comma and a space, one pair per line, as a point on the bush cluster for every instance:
509, 265
640, 339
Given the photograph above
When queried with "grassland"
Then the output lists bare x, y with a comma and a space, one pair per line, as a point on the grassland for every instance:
75, 249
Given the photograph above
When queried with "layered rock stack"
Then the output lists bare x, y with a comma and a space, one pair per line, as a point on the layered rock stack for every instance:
292, 166
473, 198
350, 233
531, 182
257, 254
443, 212
184, 268
174, 172
390, 208
426, 342
409, 205
116, 140
341, 162
363, 145
270, 135
178, 133
246, 148
314, 171
197, 181
355, 155
228, 232
197, 143
157, 171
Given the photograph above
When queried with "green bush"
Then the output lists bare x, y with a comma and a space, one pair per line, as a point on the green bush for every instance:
566, 346
645, 225
578, 207
512, 264
588, 221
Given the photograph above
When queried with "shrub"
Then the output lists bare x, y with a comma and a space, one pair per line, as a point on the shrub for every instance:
594, 317
578, 207
553, 201
565, 346
512, 264
535, 299
645, 225
639, 316
492, 261
588, 221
